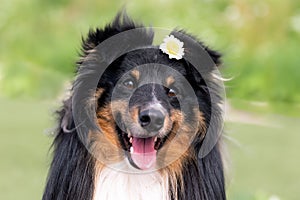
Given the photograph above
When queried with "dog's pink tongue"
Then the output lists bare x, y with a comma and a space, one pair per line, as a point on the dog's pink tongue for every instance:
143, 154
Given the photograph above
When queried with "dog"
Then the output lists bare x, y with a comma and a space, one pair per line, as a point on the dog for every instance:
138, 118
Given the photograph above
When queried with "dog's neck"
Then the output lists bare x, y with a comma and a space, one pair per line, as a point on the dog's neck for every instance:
121, 181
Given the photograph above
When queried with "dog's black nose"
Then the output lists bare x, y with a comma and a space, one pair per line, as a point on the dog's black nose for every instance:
152, 120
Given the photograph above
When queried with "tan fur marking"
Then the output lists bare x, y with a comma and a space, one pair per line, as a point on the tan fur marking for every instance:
135, 114
169, 81
106, 120
202, 124
95, 97
103, 150
105, 144
136, 74
98, 93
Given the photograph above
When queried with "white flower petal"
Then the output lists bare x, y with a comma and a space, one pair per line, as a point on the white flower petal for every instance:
173, 47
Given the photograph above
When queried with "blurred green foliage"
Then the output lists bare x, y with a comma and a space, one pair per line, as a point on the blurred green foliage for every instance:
260, 40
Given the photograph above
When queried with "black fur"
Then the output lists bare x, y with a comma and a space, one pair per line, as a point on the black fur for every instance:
72, 170
71, 174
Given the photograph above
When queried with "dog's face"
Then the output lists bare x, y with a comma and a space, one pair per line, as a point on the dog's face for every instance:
149, 108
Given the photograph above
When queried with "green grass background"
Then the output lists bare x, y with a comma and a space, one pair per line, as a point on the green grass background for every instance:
260, 40
23, 148
265, 160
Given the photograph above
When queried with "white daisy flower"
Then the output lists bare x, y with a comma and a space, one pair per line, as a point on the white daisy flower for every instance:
173, 47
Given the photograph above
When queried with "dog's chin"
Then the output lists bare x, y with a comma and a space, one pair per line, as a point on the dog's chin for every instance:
141, 151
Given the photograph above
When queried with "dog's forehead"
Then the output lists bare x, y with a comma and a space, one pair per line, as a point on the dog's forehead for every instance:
152, 66
152, 62
156, 73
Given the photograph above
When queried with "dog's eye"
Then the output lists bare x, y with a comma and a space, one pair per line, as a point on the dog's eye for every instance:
129, 84
171, 92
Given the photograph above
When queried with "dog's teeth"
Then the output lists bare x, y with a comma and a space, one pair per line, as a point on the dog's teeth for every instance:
131, 149
155, 139
130, 139
129, 135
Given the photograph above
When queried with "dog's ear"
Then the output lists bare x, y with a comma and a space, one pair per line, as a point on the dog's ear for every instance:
214, 55
195, 47
66, 122
121, 23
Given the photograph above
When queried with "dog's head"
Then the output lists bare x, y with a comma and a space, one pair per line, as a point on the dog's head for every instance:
150, 110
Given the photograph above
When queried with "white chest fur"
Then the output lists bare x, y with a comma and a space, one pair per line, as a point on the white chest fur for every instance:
114, 184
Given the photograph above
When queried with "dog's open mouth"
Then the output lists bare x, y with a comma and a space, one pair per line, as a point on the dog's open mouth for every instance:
141, 152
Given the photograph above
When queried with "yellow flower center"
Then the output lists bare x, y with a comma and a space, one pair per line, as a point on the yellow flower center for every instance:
172, 47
